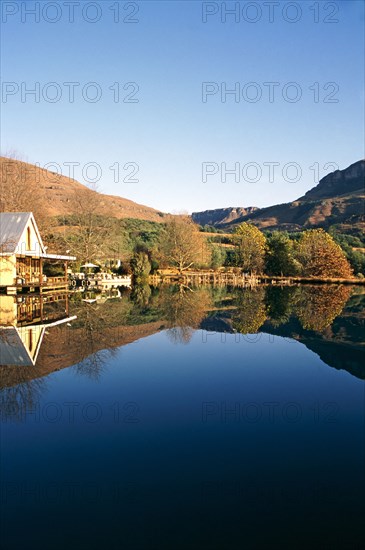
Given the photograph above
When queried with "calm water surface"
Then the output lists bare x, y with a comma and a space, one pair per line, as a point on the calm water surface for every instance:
184, 418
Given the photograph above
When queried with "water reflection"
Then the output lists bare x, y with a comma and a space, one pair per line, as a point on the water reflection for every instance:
222, 432
183, 308
42, 334
25, 320
251, 311
317, 310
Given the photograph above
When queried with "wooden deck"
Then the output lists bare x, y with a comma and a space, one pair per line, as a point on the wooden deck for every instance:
49, 284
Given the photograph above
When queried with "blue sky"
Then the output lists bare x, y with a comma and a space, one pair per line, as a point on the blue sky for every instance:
170, 133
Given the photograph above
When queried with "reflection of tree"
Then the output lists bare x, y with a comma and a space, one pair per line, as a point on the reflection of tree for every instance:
279, 304
184, 310
141, 294
18, 394
92, 322
251, 311
93, 366
318, 306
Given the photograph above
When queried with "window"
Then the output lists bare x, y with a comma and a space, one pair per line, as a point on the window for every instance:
28, 239
30, 340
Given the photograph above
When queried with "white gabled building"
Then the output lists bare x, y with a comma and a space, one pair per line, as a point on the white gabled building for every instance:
22, 254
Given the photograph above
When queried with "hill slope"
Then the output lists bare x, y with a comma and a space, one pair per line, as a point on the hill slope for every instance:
55, 193
337, 199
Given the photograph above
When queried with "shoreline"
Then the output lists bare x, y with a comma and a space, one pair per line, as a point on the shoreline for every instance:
233, 279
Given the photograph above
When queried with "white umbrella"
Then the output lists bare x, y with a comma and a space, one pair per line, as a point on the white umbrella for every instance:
89, 265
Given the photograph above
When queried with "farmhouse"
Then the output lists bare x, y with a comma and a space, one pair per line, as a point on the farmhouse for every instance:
22, 256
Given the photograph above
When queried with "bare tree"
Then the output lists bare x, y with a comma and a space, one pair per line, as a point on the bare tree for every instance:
181, 245
89, 235
20, 190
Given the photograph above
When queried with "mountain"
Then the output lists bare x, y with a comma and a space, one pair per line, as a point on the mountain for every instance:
340, 182
221, 215
56, 192
337, 199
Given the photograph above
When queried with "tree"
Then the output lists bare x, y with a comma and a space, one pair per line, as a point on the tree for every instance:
20, 190
89, 235
218, 256
280, 255
251, 246
141, 268
181, 245
320, 256
350, 244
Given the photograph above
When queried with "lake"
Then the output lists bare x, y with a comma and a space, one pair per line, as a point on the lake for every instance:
203, 418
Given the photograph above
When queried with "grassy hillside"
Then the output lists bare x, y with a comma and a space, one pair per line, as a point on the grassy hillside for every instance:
26, 187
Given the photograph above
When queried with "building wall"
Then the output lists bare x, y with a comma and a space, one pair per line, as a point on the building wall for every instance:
7, 270
8, 310
29, 242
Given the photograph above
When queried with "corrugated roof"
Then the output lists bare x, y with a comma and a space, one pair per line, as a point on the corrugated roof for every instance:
12, 225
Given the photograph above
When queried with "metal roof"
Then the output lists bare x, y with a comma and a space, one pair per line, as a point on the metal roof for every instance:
57, 257
12, 349
12, 225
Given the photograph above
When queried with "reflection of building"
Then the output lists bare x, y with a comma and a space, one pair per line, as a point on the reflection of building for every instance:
24, 320
22, 255
20, 346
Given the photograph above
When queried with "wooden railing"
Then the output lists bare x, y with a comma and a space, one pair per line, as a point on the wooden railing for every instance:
45, 281
54, 280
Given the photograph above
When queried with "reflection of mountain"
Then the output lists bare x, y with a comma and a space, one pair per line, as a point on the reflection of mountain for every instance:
304, 314
25, 321
339, 356
335, 351
339, 345
64, 346
29, 350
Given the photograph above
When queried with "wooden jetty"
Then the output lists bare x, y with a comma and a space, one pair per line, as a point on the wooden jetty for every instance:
233, 277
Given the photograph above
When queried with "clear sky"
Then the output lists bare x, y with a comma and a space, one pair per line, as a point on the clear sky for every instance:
169, 123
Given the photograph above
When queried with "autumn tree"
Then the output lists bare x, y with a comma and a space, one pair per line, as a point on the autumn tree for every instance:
181, 244
320, 256
251, 246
